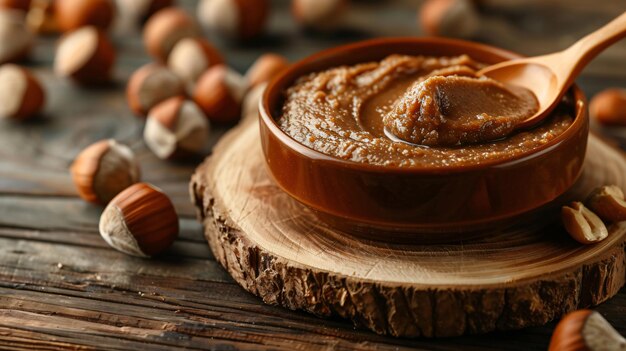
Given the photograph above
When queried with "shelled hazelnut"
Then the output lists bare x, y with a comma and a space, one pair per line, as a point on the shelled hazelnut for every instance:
22, 5
235, 19
103, 170
86, 56
21, 94
140, 221
219, 93
141, 10
265, 68
191, 57
609, 107
149, 85
165, 28
321, 15
74, 14
582, 224
585, 330
608, 203
41, 17
176, 128
15, 38
449, 18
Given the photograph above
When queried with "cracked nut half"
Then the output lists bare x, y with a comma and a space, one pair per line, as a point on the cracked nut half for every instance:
583, 225
140, 221
586, 330
608, 203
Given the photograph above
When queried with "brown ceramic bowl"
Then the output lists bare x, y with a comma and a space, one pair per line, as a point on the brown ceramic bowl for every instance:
399, 204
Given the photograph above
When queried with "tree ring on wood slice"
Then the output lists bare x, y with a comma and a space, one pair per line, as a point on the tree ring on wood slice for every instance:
525, 275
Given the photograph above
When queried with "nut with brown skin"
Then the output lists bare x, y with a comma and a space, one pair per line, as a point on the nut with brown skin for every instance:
320, 15
103, 170
22, 5
140, 221
235, 19
176, 128
191, 57
449, 18
41, 17
74, 14
165, 28
21, 94
219, 93
608, 203
265, 68
583, 225
140, 11
609, 107
149, 85
586, 330
15, 38
86, 56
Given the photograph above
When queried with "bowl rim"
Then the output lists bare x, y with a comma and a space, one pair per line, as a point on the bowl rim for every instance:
287, 140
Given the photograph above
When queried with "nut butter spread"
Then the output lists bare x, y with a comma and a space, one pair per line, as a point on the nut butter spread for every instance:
413, 111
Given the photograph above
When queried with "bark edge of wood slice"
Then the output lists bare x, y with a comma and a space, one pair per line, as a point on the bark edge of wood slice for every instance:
524, 276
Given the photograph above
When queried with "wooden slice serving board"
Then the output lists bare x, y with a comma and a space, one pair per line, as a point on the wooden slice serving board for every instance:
522, 276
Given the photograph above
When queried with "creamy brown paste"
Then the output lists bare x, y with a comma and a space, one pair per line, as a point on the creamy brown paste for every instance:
414, 111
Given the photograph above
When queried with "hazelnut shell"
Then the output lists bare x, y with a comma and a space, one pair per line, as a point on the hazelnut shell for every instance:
22, 5
609, 107
32, 97
219, 93
74, 14
319, 15
149, 85
15, 38
165, 28
237, 19
265, 68
191, 57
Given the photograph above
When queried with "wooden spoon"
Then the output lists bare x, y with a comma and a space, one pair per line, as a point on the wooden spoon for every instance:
549, 76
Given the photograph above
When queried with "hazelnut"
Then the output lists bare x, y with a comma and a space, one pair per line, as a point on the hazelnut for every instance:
175, 128
583, 225
22, 5
191, 57
609, 107
15, 38
140, 221
41, 17
320, 15
219, 93
608, 203
235, 19
86, 56
149, 85
103, 170
165, 28
74, 14
450, 18
585, 330
140, 10
21, 95
265, 68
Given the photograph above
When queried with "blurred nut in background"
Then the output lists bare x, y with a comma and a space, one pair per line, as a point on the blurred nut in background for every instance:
176, 128
15, 38
86, 56
449, 18
41, 17
191, 57
140, 221
74, 14
103, 170
609, 107
235, 19
22, 5
149, 85
585, 330
21, 95
165, 28
265, 68
140, 10
321, 15
219, 93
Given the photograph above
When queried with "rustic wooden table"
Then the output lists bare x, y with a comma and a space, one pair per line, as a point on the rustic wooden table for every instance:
62, 287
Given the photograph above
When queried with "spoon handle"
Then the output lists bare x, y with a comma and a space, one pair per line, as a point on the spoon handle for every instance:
587, 48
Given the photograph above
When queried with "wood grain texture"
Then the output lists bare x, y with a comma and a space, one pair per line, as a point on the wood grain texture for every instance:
62, 287
524, 275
